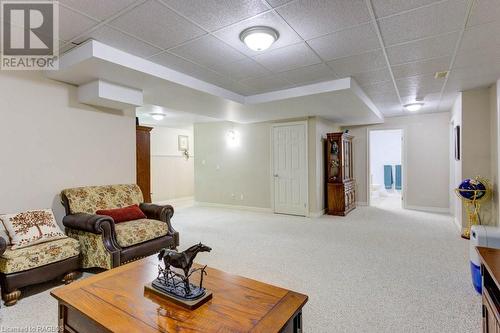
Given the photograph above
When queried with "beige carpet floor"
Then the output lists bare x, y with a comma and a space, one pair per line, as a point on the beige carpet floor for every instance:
376, 270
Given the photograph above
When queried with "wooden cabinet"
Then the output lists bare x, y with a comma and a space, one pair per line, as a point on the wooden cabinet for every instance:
341, 186
143, 160
490, 270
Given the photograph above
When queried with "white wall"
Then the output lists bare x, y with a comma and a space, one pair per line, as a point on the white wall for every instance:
223, 174
50, 142
455, 166
228, 175
478, 118
317, 130
172, 176
385, 149
427, 162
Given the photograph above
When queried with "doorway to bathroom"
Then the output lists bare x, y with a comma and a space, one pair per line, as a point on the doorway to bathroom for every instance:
386, 168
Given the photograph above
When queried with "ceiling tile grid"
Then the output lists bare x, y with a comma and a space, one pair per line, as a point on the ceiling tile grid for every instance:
424, 22
98, 9
208, 51
346, 42
157, 24
314, 18
120, 40
216, 14
359, 63
288, 57
319, 40
371, 77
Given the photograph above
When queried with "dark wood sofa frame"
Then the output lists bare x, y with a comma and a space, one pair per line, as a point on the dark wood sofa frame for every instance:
10, 283
104, 225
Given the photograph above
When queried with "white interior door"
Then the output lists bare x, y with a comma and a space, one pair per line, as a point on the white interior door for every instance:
290, 169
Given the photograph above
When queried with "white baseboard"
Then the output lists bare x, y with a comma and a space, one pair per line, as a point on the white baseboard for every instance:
178, 202
218, 205
317, 214
361, 203
439, 210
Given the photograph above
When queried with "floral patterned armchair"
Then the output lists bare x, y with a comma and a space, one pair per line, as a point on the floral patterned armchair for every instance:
106, 244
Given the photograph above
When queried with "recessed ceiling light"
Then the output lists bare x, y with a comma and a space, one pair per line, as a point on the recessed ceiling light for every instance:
157, 115
413, 107
259, 38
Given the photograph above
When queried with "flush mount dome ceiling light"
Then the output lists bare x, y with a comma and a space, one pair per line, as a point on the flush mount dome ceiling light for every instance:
413, 107
259, 38
157, 115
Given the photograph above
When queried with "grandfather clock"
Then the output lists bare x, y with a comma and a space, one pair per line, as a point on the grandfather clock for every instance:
341, 186
143, 160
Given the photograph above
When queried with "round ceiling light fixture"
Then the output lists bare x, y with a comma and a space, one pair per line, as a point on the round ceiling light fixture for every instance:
414, 107
157, 115
259, 38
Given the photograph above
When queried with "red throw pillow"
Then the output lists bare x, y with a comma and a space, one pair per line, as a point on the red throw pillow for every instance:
124, 214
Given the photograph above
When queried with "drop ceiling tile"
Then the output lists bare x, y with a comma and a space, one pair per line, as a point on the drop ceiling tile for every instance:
467, 78
241, 69
174, 62
208, 51
193, 70
288, 57
371, 77
119, 40
231, 34
430, 66
215, 14
266, 84
72, 24
389, 97
481, 56
484, 36
390, 109
419, 86
484, 11
380, 90
313, 18
384, 8
358, 63
425, 22
346, 42
98, 8
155, 23
434, 47
277, 3
309, 74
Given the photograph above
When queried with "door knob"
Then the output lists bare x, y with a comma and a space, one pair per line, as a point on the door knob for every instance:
275, 175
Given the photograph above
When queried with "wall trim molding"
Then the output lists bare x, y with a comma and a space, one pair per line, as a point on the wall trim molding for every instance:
358, 203
440, 210
219, 205
317, 214
182, 201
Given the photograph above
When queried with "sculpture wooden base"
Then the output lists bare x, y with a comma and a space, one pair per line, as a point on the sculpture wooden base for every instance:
189, 304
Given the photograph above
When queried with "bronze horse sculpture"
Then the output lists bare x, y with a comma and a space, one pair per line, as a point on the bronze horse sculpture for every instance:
182, 260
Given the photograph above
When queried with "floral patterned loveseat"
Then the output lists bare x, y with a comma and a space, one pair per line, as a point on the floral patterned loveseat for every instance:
106, 244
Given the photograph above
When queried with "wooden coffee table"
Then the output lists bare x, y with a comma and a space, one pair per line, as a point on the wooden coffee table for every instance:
115, 301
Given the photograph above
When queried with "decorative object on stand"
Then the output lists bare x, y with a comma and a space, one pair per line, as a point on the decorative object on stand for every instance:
176, 286
341, 186
473, 191
183, 145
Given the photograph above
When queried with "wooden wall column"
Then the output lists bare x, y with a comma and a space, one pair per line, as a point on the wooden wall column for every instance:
143, 160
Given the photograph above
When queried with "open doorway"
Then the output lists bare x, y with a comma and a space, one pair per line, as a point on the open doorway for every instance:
386, 168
